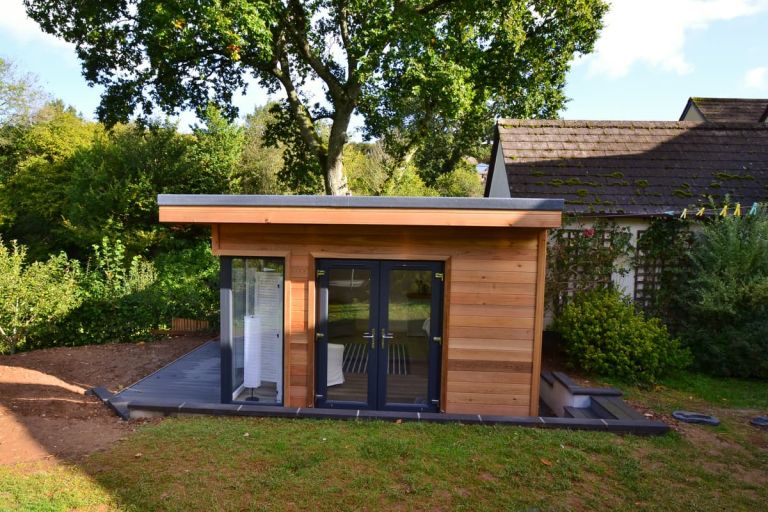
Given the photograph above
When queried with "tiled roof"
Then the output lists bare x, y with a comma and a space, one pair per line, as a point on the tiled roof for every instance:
635, 168
726, 110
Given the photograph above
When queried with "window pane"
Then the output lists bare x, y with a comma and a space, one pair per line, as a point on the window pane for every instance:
257, 329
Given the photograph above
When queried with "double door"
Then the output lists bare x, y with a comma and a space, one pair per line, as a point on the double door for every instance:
379, 334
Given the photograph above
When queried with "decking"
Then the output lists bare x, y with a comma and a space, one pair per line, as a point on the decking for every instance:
193, 378
190, 385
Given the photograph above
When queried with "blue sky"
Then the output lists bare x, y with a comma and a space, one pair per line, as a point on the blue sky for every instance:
651, 56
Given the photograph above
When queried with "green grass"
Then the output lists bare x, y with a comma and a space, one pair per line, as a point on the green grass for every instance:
268, 464
684, 388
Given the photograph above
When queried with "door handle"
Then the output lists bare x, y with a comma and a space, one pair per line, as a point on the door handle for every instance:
386, 336
372, 337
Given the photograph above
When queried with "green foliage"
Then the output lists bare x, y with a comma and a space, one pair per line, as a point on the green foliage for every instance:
462, 181
20, 96
725, 301
34, 191
664, 247
33, 295
127, 298
604, 334
260, 164
188, 283
584, 258
119, 303
427, 77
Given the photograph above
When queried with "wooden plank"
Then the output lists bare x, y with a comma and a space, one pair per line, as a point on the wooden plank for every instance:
491, 410
468, 365
298, 394
493, 310
498, 322
489, 377
491, 333
359, 216
488, 388
490, 355
489, 276
538, 326
493, 288
495, 265
488, 299
482, 344
488, 398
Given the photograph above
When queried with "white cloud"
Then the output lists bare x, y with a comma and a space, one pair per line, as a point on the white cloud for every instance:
654, 32
15, 23
756, 78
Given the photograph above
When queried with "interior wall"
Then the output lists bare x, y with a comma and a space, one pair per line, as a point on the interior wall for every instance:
490, 352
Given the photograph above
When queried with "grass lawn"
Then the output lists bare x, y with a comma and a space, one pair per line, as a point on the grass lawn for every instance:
264, 464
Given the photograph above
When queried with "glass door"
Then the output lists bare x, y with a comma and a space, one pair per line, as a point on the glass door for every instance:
378, 334
347, 333
411, 322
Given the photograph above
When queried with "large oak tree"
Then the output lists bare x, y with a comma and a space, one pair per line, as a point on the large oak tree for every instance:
427, 76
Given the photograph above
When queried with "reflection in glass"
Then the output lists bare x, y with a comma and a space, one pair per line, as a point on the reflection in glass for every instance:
407, 336
349, 303
257, 330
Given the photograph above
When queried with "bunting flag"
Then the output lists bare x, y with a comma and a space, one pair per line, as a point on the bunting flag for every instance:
720, 211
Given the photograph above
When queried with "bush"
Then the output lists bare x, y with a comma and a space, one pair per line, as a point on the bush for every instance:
188, 282
125, 299
33, 295
604, 334
725, 303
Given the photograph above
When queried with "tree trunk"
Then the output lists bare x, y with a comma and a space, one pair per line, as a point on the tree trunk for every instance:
335, 181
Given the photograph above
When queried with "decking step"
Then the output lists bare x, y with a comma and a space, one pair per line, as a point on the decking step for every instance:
610, 407
579, 412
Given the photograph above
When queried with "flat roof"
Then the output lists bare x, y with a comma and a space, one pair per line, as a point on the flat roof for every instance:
438, 203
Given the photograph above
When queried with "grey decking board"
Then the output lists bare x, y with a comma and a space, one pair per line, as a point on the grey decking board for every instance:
193, 377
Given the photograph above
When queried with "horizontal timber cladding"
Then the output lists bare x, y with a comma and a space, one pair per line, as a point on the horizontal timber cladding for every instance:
359, 216
491, 291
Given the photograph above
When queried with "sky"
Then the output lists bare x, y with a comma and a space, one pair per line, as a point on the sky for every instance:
651, 57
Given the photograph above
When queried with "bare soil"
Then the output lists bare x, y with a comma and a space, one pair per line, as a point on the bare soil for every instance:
44, 412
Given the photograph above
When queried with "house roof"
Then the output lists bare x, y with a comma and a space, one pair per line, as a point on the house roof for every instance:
633, 167
361, 210
726, 110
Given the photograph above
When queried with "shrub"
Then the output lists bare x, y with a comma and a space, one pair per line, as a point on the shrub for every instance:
188, 282
605, 334
725, 303
33, 295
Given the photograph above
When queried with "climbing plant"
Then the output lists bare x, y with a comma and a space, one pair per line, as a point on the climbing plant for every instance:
583, 257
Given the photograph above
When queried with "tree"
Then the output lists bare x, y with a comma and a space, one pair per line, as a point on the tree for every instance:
20, 97
33, 295
35, 182
418, 71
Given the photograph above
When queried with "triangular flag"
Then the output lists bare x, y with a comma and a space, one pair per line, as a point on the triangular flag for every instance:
737, 210
701, 211
724, 211
753, 210
684, 214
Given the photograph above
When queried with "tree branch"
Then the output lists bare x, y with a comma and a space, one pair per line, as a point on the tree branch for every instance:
433, 6
282, 71
306, 51
345, 39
